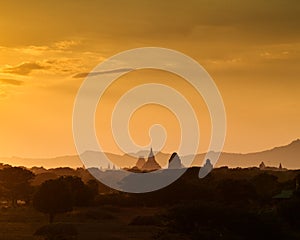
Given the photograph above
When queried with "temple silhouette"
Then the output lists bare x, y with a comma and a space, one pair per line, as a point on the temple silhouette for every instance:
263, 167
149, 165
174, 162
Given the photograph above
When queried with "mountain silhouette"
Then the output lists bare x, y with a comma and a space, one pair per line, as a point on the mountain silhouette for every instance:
288, 156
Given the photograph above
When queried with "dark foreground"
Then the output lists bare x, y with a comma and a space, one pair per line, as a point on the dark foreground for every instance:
227, 204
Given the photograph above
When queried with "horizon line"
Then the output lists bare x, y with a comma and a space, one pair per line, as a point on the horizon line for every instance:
199, 153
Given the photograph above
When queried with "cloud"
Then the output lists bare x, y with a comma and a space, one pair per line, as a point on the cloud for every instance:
85, 74
11, 82
64, 65
104, 21
23, 68
63, 45
32, 50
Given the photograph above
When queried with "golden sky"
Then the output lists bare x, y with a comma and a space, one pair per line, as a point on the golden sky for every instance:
250, 48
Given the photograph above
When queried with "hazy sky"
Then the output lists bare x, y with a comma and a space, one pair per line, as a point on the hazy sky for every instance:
250, 48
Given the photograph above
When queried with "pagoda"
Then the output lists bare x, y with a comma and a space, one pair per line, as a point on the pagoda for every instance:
151, 164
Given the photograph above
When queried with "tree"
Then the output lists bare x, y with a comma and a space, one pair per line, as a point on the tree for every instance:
93, 186
81, 194
234, 191
61, 195
266, 186
290, 211
53, 197
15, 183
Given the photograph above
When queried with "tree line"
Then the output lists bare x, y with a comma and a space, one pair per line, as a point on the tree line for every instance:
51, 197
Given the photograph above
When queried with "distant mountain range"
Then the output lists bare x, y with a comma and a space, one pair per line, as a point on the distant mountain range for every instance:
288, 156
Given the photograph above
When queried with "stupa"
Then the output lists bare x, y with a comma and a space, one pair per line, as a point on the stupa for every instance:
151, 164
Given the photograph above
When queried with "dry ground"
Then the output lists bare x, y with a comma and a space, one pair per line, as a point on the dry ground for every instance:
92, 223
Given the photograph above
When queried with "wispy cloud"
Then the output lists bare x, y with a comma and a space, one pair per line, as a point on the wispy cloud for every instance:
85, 74
23, 68
11, 82
63, 45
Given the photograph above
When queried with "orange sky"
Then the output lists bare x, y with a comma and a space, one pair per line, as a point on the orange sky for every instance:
250, 48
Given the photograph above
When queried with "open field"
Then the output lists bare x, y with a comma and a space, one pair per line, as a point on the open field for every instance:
91, 223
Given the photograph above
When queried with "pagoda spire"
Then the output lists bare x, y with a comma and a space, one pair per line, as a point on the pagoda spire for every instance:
151, 153
151, 164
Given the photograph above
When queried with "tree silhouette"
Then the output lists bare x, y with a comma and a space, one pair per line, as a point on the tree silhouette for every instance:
62, 194
15, 184
266, 186
81, 194
290, 211
93, 186
53, 197
232, 190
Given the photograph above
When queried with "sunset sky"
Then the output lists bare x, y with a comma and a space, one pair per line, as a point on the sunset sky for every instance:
250, 48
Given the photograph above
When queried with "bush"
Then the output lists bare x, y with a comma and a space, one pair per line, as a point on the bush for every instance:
58, 231
217, 221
